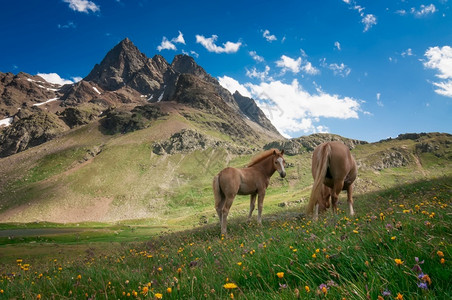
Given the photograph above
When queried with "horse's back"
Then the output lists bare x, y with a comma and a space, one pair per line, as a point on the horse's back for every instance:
342, 160
341, 163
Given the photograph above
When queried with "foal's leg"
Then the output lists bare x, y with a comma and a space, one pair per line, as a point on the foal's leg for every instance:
225, 212
260, 206
350, 199
252, 204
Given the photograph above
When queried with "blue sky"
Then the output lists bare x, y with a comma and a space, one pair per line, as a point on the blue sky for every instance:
362, 69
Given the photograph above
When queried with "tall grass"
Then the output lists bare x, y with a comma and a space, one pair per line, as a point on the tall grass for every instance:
398, 245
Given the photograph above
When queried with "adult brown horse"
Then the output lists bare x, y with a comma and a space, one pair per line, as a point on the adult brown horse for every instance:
334, 170
252, 180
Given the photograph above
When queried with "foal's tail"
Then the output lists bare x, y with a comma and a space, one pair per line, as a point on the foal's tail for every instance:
217, 190
319, 175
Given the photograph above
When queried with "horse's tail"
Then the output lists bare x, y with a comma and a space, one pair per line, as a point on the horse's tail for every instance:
319, 174
217, 190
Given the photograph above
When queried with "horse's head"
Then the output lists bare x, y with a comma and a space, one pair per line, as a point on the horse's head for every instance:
279, 162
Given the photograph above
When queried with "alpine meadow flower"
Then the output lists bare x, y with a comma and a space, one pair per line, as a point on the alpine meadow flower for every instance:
230, 286
398, 261
280, 274
423, 285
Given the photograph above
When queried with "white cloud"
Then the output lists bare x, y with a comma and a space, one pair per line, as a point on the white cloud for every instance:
269, 37
209, 44
296, 65
444, 88
83, 5
310, 69
253, 73
379, 103
291, 109
424, 10
440, 59
170, 45
76, 78
340, 69
256, 57
179, 39
407, 52
55, 78
233, 85
166, 45
369, 20
68, 25
287, 63
191, 53
337, 45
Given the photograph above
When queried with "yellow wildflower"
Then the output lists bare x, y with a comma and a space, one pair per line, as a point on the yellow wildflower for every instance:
399, 296
231, 295
169, 290
158, 296
398, 261
440, 253
393, 238
280, 274
145, 290
230, 286
307, 289
442, 261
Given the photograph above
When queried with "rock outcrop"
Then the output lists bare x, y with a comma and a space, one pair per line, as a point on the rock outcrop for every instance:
28, 131
308, 143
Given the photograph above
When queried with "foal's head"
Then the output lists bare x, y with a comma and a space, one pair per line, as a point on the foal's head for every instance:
279, 162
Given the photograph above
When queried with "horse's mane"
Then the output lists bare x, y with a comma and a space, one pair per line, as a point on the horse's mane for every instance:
260, 157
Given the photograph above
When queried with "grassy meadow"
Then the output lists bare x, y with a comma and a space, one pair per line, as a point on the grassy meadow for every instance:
397, 246
156, 233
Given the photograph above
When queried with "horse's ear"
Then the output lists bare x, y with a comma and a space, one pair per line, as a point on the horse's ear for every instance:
274, 152
282, 151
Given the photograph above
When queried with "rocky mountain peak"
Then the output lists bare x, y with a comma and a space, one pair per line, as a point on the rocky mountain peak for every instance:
118, 67
186, 64
250, 109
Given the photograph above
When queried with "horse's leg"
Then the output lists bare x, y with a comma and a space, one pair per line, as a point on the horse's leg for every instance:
260, 206
219, 209
252, 204
350, 199
337, 188
225, 212
316, 212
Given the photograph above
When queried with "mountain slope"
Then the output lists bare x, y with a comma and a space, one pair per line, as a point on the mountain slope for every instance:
89, 176
124, 79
